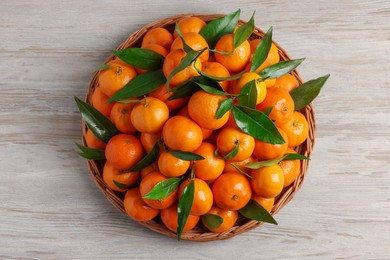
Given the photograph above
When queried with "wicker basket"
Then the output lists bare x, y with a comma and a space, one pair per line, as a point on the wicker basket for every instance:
200, 233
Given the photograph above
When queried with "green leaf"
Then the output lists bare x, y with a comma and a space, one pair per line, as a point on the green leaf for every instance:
216, 28
262, 50
184, 207
140, 58
237, 167
184, 90
229, 78
140, 85
150, 158
91, 153
185, 45
233, 153
212, 220
225, 106
163, 189
212, 90
286, 157
307, 92
268, 111
281, 68
105, 67
244, 32
187, 156
256, 124
120, 185
254, 211
248, 95
184, 63
98, 123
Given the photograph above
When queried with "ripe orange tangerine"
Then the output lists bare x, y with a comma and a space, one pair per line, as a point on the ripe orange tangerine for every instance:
232, 191
118, 180
136, 208
267, 151
212, 166
169, 218
229, 138
296, 129
234, 60
159, 36
149, 115
93, 141
190, 24
202, 108
267, 181
123, 151
171, 166
111, 80
195, 41
147, 184
229, 218
203, 196
181, 133
172, 60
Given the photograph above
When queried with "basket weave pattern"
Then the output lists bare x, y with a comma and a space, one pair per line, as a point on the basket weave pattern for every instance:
200, 233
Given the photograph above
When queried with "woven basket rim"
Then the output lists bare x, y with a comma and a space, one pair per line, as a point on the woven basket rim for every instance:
200, 234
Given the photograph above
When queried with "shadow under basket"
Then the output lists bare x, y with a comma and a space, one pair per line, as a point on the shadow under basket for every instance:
200, 233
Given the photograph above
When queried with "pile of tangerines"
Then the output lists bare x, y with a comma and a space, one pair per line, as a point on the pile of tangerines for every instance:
191, 145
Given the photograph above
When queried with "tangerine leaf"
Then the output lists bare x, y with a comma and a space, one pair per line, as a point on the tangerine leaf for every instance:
212, 220
105, 67
243, 32
186, 156
120, 185
281, 68
150, 158
212, 90
184, 90
286, 157
140, 58
163, 189
184, 207
184, 63
237, 167
262, 50
233, 153
140, 85
256, 124
248, 95
98, 123
307, 92
217, 78
216, 28
225, 106
255, 211
185, 45
268, 110
91, 153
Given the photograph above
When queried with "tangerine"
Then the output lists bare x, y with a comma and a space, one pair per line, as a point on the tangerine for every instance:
212, 166
202, 108
120, 117
136, 208
148, 183
159, 36
181, 133
119, 180
172, 166
234, 60
149, 115
169, 217
123, 151
296, 129
229, 218
113, 79
229, 138
268, 151
267, 181
232, 191
203, 196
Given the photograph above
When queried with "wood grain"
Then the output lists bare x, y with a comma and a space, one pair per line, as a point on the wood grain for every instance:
51, 209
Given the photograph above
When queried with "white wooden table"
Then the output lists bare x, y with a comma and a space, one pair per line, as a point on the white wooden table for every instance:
51, 209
